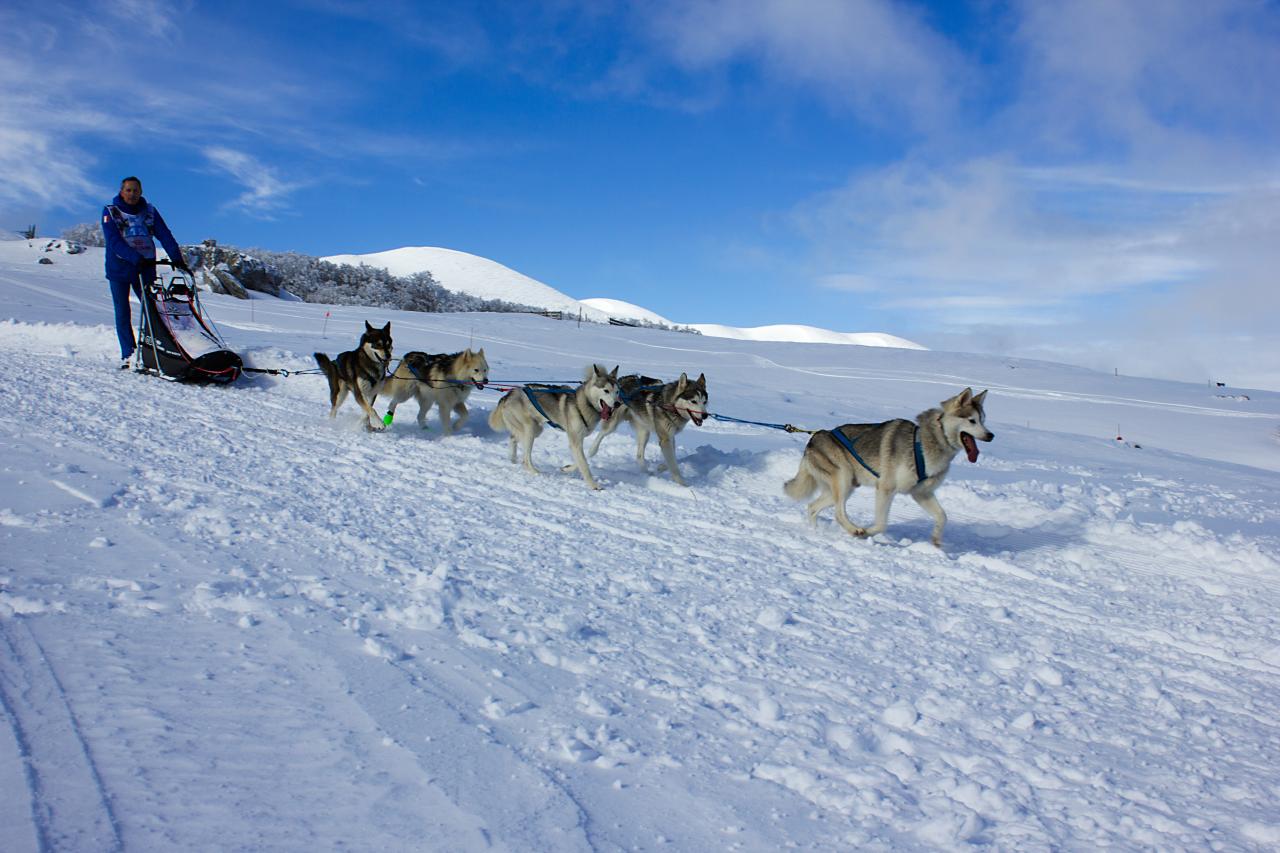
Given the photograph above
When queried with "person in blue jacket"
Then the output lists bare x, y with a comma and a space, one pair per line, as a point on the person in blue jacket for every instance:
130, 227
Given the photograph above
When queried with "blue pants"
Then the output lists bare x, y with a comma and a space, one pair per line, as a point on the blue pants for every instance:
124, 319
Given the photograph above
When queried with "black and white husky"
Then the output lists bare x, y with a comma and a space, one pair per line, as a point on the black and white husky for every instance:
652, 406
523, 411
359, 372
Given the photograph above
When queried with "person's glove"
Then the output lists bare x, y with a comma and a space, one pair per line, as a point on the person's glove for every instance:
147, 269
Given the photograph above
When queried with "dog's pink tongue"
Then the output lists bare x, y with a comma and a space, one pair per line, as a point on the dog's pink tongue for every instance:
970, 446
605, 411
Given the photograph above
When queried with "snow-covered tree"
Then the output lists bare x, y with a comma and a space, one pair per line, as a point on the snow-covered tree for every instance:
86, 234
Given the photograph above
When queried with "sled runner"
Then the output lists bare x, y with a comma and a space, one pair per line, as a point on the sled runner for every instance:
175, 339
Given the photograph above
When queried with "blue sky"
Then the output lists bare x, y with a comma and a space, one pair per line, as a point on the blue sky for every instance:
1091, 182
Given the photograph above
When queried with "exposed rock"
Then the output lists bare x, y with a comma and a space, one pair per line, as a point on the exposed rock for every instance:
220, 279
231, 272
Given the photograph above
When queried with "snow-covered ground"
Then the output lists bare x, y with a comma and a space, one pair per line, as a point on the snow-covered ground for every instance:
230, 623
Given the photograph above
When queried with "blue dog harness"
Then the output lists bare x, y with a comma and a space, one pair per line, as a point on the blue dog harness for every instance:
550, 389
845, 441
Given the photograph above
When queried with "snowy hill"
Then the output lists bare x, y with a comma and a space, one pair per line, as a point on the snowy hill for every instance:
466, 273
228, 622
806, 334
626, 311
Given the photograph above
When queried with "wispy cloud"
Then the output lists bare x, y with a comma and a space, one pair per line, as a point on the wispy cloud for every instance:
266, 193
43, 162
157, 19
976, 229
130, 77
876, 58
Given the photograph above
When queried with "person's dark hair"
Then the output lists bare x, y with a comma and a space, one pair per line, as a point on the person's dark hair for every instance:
135, 178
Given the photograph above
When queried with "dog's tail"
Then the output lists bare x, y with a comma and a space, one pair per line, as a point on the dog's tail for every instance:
330, 370
802, 484
496, 421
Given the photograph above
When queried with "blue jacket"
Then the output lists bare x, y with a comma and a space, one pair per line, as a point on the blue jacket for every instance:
140, 223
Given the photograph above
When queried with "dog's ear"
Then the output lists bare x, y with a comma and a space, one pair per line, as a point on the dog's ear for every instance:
682, 383
614, 374
368, 327
481, 352
962, 399
702, 381
979, 398
387, 328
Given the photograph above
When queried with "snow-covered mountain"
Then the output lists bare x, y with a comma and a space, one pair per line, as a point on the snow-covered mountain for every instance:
466, 273
806, 334
229, 622
462, 272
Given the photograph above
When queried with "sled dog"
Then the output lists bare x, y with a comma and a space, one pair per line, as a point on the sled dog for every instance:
360, 372
443, 380
523, 411
894, 457
653, 406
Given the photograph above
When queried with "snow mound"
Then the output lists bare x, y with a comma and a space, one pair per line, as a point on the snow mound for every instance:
794, 333
626, 310
462, 272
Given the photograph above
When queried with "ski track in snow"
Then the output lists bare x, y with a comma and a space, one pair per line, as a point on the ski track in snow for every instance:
228, 622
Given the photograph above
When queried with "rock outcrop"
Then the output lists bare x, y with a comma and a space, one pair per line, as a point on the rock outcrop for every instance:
230, 271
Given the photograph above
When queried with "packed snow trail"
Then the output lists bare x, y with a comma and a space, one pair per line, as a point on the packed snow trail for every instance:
396, 640
231, 623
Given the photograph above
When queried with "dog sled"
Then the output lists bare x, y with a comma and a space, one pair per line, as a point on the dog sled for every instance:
176, 341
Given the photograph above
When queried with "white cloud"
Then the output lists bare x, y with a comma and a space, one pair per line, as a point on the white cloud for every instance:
876, 58
1166, 85
266, 193
979, 228
140, 77
41, 159
156, 19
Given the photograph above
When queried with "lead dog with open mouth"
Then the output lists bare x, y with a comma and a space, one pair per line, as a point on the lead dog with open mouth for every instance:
894, 457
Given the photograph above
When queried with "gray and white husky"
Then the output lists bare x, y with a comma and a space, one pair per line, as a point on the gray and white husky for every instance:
894, 457
444, 380
523, 411
653, 406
